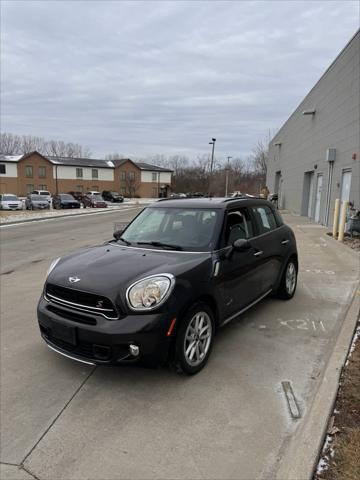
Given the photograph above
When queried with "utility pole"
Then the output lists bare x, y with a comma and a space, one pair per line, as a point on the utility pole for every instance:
227, 168
212, 163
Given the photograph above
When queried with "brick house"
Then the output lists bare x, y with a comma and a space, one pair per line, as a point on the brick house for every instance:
21, 174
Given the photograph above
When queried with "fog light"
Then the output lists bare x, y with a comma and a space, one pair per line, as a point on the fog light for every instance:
134, 350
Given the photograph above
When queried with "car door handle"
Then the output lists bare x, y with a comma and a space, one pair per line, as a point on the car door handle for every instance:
284, 242
257, 254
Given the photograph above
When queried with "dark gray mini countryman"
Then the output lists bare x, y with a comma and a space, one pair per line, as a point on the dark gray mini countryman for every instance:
160, 290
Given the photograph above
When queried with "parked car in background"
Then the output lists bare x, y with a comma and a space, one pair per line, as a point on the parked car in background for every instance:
36, 202
44, 194
77, 195
65, 200
95, 201
93, 192
112, 196
161, 289
178, 195
9, 201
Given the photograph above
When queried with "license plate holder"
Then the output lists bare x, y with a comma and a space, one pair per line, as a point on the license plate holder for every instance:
64, 333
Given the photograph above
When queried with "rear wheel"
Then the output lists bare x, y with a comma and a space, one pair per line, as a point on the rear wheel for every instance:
288, 282
194, 340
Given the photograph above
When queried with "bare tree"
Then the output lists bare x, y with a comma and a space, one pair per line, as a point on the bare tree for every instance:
11, 144
115, 156
132, 184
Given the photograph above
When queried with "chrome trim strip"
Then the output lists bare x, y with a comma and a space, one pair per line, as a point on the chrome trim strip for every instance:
69, 356
246, 308
77, 306
159, 249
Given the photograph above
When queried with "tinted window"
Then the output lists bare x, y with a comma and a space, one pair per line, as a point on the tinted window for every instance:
238, 225
192, 229
265, 218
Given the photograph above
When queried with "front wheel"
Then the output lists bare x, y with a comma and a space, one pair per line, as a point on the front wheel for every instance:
194, 340
288, 282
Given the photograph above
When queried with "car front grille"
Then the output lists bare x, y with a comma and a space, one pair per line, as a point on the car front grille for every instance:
81, 301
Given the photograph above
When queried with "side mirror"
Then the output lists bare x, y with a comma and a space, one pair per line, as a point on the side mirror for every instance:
117, 234
241, 245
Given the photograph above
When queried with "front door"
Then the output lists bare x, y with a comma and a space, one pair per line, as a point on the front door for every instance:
319, 186
237, 278
345, 185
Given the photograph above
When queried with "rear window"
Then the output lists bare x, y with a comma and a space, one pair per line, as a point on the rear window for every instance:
36, 198
45, 193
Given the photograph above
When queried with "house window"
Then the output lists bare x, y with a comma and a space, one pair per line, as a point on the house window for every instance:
42, 172
94, 173
79, 188
154, 176
79, 173
42, 187
154, 192
123, 176
2, 168
131, 176
29, 171
29, 188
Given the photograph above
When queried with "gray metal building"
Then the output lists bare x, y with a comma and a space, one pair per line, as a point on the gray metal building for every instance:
314, 158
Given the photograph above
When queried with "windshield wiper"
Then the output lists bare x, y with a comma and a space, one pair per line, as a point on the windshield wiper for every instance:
123, 240
160, 244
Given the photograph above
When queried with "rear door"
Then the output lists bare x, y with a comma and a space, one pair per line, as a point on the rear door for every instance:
269, 245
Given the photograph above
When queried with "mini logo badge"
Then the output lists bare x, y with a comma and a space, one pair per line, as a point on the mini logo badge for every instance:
74, 279
100, 304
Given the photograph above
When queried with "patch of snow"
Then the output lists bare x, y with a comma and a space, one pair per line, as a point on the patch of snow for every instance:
12, 158
355, 339
110, 163
323, 463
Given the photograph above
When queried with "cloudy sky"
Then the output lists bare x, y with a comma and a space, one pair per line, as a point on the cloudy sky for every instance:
144, 78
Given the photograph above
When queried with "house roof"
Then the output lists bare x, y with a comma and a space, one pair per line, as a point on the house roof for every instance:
80, 162
10, 158
152, 168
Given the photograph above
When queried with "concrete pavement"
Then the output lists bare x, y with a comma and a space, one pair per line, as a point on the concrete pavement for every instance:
64, 420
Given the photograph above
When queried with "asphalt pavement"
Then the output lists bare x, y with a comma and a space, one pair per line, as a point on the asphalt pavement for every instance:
64, 420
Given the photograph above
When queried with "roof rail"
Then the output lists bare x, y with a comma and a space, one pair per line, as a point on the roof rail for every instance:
242, 196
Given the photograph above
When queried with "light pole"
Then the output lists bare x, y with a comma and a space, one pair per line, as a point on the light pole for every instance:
212, 163
227, 175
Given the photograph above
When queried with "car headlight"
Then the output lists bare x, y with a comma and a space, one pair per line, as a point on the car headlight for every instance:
52, 266
150, 292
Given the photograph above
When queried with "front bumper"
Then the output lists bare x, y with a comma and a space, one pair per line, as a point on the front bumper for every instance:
104, 341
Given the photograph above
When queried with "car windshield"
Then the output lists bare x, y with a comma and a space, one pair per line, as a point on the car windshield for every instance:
97, 198
45, 193
37, 198
114, 194
189, 229
66, 197
10, 198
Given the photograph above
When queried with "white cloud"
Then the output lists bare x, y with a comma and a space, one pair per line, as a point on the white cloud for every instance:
164, 77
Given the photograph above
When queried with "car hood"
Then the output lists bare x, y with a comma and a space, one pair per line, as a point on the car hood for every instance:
110, 269
11, 202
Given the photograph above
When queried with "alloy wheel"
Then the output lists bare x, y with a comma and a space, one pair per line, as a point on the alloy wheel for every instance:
197, 339
290, 278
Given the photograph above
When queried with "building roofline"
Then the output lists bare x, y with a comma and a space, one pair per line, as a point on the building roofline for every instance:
318, 81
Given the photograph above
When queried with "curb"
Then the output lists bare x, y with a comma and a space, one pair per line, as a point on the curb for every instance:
301, 458
55, 217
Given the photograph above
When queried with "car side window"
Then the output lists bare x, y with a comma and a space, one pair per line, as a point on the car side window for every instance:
238, 225
265, 218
